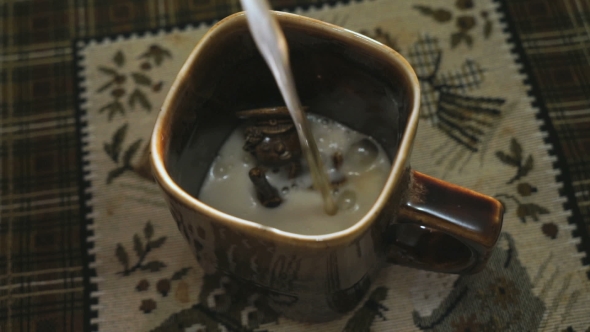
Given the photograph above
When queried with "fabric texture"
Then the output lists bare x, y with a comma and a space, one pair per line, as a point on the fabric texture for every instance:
48, 270
478, 129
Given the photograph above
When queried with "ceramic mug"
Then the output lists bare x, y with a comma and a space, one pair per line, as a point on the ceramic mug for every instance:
417, 220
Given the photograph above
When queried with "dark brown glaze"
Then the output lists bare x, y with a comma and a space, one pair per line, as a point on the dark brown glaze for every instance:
446, 228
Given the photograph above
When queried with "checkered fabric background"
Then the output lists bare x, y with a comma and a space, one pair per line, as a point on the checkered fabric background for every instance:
553, 38
43, 279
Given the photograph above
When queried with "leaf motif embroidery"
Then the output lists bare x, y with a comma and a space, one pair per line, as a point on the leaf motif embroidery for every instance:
153, 266
122, 256
118, 77
148, 230
530, 210
115, 173
468, 39
141, 79
440, 15
424, 10
157, 243
464, 23
142, 248
131, 150
138, 96
180, 273
108, 71
113, 108
157, 53
515, 159
464, 4
507, 159
114, 148
137, 245
457, 38
516, 149
105, 86
119, 59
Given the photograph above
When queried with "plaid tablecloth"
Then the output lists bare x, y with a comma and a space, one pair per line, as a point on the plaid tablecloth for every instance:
44, 281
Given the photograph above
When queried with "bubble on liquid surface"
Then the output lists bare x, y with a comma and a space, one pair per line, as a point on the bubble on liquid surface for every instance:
320, 137
361, 155
346, 200
221, 169
285, 190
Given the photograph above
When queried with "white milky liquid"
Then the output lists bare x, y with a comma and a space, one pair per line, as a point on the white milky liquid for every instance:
229, 189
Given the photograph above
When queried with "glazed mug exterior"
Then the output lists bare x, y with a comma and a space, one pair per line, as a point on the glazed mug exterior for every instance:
417, 220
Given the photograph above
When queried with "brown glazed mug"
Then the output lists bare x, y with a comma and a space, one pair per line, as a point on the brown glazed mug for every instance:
417, 220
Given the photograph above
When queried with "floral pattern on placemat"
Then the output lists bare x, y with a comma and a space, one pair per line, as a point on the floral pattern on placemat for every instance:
143, 85
450, 102
500, 298
463, 18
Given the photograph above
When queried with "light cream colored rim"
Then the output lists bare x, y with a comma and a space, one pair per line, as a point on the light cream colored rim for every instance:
255, 229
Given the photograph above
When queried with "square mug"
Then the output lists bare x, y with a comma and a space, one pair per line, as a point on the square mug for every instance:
417, 220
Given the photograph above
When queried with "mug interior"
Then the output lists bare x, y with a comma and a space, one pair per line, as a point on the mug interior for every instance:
338, 74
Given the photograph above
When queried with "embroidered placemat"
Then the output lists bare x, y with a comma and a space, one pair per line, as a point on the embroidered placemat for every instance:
478, 129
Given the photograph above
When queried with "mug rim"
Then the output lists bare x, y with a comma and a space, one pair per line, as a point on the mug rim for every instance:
399, 162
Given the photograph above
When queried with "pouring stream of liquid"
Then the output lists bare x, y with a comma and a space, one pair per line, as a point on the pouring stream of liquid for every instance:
271, 43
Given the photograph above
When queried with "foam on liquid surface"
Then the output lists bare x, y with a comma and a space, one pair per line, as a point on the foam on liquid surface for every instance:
365, 167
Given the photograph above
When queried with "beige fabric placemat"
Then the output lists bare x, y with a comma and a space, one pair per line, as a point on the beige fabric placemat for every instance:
147, 279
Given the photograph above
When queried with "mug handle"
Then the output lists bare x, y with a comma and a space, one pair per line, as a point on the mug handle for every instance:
443, 227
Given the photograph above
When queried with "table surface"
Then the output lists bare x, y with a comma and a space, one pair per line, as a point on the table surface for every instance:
41, 216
